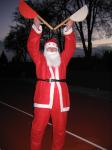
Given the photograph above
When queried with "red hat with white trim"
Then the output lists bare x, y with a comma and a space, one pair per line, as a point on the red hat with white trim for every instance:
51, 43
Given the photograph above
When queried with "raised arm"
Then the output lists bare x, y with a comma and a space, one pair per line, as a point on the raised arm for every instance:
70, 44
33, 43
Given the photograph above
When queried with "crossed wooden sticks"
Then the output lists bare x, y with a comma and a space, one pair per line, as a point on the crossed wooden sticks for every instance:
29, 13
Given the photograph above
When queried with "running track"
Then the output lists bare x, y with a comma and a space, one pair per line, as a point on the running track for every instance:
89, 122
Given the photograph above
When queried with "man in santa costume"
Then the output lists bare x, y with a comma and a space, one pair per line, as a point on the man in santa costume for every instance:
51, 96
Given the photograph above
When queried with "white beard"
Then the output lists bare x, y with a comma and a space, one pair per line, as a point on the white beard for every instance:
53, 58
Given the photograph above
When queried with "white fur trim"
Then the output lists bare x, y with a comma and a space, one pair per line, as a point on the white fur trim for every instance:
67, 32
52, 87
41, 105
49, 107
54, 76
51, 94
36, 30
63, 109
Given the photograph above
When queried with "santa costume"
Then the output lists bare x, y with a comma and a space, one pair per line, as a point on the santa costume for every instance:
51, 96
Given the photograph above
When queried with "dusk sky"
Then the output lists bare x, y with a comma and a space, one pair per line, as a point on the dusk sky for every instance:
7, 7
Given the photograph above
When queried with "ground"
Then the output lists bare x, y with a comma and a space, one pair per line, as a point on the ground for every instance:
89, 121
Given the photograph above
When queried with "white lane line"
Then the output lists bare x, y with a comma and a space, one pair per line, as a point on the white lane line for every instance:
87, 141
15, 108
68, 132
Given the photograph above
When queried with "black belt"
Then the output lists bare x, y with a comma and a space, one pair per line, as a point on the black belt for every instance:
52, 80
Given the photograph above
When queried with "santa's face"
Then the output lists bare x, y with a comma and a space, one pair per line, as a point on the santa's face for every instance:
51, 49
51, 54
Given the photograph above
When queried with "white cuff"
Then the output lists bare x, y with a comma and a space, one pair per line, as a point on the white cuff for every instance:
67, 32
37, 30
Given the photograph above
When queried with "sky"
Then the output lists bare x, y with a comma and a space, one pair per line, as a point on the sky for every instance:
7, 7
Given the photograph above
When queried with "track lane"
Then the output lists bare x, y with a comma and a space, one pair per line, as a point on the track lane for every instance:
68, 132
89, 117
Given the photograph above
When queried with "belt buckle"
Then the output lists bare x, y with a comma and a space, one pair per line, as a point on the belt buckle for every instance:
50, 80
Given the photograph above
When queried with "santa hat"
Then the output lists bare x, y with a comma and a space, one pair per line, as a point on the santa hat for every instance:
51, 43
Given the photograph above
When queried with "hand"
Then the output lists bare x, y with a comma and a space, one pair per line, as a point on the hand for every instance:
69, 25
37, 22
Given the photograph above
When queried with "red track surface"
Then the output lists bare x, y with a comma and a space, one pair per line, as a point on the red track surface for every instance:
89, 117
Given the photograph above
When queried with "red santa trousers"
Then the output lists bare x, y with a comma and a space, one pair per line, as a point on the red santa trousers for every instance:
41, 118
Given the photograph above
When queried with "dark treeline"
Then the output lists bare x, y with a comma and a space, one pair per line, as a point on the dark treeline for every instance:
91, 72
27, 69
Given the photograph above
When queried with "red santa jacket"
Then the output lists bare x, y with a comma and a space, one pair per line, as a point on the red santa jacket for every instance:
46, 92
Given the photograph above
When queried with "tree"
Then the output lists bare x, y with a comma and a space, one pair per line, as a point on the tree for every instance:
104, 18
96, 16
56, 12
3, 58
17, 37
